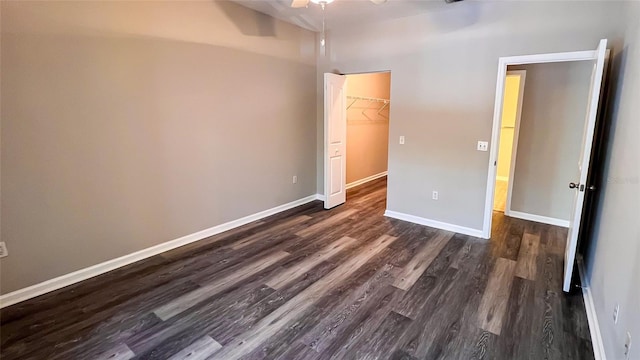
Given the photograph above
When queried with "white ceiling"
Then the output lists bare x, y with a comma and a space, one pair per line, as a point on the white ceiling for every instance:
343, 12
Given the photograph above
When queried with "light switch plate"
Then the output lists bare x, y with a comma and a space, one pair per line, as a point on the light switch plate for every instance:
401, 140
483, 145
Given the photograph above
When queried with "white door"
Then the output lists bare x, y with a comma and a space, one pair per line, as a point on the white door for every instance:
583, 166
335, 138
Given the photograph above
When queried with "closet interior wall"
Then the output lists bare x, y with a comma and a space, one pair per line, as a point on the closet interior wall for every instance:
367, 125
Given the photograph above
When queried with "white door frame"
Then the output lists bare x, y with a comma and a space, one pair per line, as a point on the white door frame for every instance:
516, 133
503, 63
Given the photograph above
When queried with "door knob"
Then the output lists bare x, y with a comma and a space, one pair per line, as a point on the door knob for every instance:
573, 185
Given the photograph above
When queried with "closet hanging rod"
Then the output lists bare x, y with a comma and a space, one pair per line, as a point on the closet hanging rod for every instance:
386, 101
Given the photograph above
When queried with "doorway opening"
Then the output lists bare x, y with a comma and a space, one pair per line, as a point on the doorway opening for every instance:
538, 173
367, 108
508, 144
356, 137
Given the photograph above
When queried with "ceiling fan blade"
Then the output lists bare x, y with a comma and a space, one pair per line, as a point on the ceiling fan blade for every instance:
299, 3
378, 2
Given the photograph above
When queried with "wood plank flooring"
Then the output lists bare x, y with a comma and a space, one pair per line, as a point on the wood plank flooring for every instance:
308, 283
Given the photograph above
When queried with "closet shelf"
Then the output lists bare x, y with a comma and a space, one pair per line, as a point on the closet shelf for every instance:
386, 101
371, 100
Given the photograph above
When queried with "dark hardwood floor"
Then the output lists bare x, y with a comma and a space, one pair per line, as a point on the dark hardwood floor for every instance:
314, 284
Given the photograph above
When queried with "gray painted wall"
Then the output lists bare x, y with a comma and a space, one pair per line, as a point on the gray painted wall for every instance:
128, 124
553, 115
444, 67
613, 262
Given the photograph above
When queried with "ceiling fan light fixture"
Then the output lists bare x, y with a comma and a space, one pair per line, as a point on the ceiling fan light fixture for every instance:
322, 1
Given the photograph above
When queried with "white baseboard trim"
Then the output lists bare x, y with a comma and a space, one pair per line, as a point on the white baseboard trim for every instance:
320, 197
502, 178
365, 180
433, 223
537, 218
592, 317
101, 268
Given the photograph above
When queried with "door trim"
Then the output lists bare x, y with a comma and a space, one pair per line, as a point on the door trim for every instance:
503, 63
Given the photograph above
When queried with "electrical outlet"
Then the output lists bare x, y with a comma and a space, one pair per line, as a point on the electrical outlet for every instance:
616, 312
3, 249
434, 195
401, 140
483, 145
627, 346
295, 179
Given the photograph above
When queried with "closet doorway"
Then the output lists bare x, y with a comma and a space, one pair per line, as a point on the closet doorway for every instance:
356, 137
368, 104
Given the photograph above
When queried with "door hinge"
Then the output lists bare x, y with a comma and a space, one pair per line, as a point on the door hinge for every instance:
582, 187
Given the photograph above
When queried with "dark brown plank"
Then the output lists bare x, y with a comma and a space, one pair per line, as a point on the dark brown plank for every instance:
296, 307
369, 320
350, 310
496, 296
327, 223
223, 283
512, 239
422, 259
528, 256
429, 283
381, 342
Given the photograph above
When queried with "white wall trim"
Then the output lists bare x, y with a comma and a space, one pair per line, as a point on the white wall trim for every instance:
101, 268
320, 197
433, 223
538, 218
592, 317
365, 180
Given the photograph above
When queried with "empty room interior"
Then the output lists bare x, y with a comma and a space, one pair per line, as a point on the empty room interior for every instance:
320, 179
